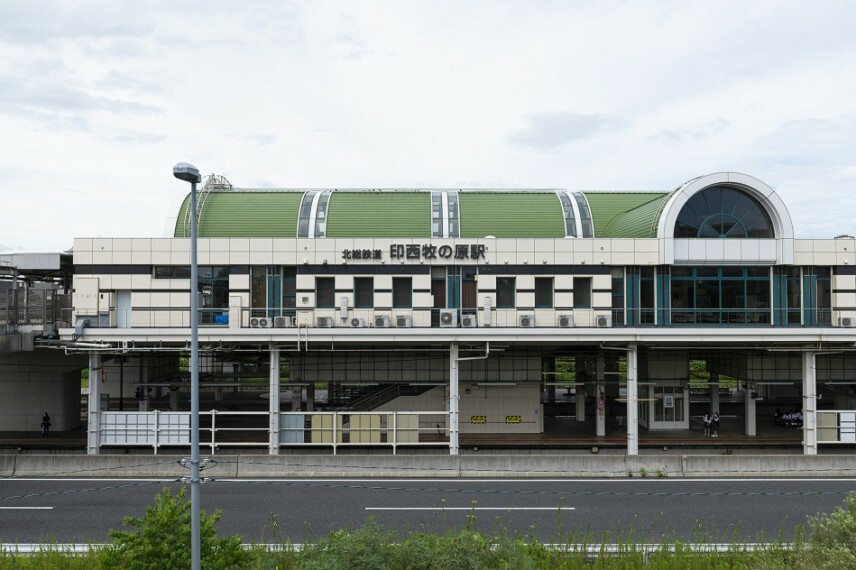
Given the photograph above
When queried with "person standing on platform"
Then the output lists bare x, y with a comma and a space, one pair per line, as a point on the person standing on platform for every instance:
46, 425
714, 425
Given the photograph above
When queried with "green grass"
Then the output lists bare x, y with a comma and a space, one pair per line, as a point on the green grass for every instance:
371, 546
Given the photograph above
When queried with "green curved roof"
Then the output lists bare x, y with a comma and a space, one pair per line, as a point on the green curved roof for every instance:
511, 215
407, 213
245, 213
626, 214
379, 214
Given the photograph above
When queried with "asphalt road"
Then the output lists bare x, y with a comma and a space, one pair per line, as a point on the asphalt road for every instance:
721, 510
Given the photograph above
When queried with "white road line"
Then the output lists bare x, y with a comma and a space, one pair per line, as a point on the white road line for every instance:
25, 508
470, 508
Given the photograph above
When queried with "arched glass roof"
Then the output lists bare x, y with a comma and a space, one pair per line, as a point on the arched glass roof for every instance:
723, 212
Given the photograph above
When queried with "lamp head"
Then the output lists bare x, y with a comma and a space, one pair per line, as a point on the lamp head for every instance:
187, 172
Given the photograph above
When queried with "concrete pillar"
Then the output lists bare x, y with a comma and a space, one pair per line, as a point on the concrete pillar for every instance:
809, 394
581, 402
273, 403
600, 391
714, 392
454, 398
93, 429
310, 398
749, 412
632, 401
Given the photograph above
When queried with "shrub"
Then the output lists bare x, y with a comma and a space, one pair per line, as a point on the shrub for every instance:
832, 542
161, 539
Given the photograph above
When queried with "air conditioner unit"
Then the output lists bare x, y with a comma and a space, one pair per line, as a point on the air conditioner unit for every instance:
381, 321
404, 321
260, 323
845, 321
282, 322
603, 321
469, 321
527, 320
566, 321
358, 323
448, 317
324, 322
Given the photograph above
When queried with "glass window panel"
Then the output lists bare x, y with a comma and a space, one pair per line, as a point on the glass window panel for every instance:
757, 294
682, 272
682, 295
733, 295
723, 212
505, 289
758, 272
182, 272
732, 272
402, 292
364, 292
543, 292
582, 292
646, 294
325, 293
707, 272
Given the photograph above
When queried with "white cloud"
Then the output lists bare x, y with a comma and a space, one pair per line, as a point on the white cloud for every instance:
99, 99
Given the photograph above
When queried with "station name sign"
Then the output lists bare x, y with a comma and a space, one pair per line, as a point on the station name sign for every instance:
418, 252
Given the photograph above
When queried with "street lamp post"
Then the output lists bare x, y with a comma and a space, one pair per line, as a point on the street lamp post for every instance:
189, 173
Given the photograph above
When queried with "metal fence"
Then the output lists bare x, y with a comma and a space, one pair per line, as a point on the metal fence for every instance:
836, 426
219, 430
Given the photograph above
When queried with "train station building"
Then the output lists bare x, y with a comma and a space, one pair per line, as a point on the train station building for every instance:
409, 320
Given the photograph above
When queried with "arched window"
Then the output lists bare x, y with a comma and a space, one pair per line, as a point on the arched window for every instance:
722, 212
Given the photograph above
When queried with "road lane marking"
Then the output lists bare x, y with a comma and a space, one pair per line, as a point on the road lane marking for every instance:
26, 508
470, 508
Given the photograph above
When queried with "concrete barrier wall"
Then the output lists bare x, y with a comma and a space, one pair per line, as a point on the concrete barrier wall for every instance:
7, 465
432, 466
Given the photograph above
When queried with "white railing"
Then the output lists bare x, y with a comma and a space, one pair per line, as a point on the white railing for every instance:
157, 429
836, 426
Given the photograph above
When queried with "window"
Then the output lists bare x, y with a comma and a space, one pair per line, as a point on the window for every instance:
172, 272
543, 292
582, 292
721, 295
325, 293
364, 292
722, 212
402, 292
505, 290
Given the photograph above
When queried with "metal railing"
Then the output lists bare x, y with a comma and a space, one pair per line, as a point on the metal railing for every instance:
836, 426
33, 307
158, 429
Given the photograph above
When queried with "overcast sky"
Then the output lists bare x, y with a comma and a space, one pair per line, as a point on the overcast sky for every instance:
98, 100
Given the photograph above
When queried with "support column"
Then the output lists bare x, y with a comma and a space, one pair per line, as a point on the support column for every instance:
714, 392
809, 394
581, 402
273, 402
454, 397
600, 391
93, 433
632, 401
310, 398
749, 412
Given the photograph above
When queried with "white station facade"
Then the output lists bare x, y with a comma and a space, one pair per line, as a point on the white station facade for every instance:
429, 318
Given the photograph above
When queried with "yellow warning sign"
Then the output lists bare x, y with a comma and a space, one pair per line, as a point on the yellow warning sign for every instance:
478, 419
512, 419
